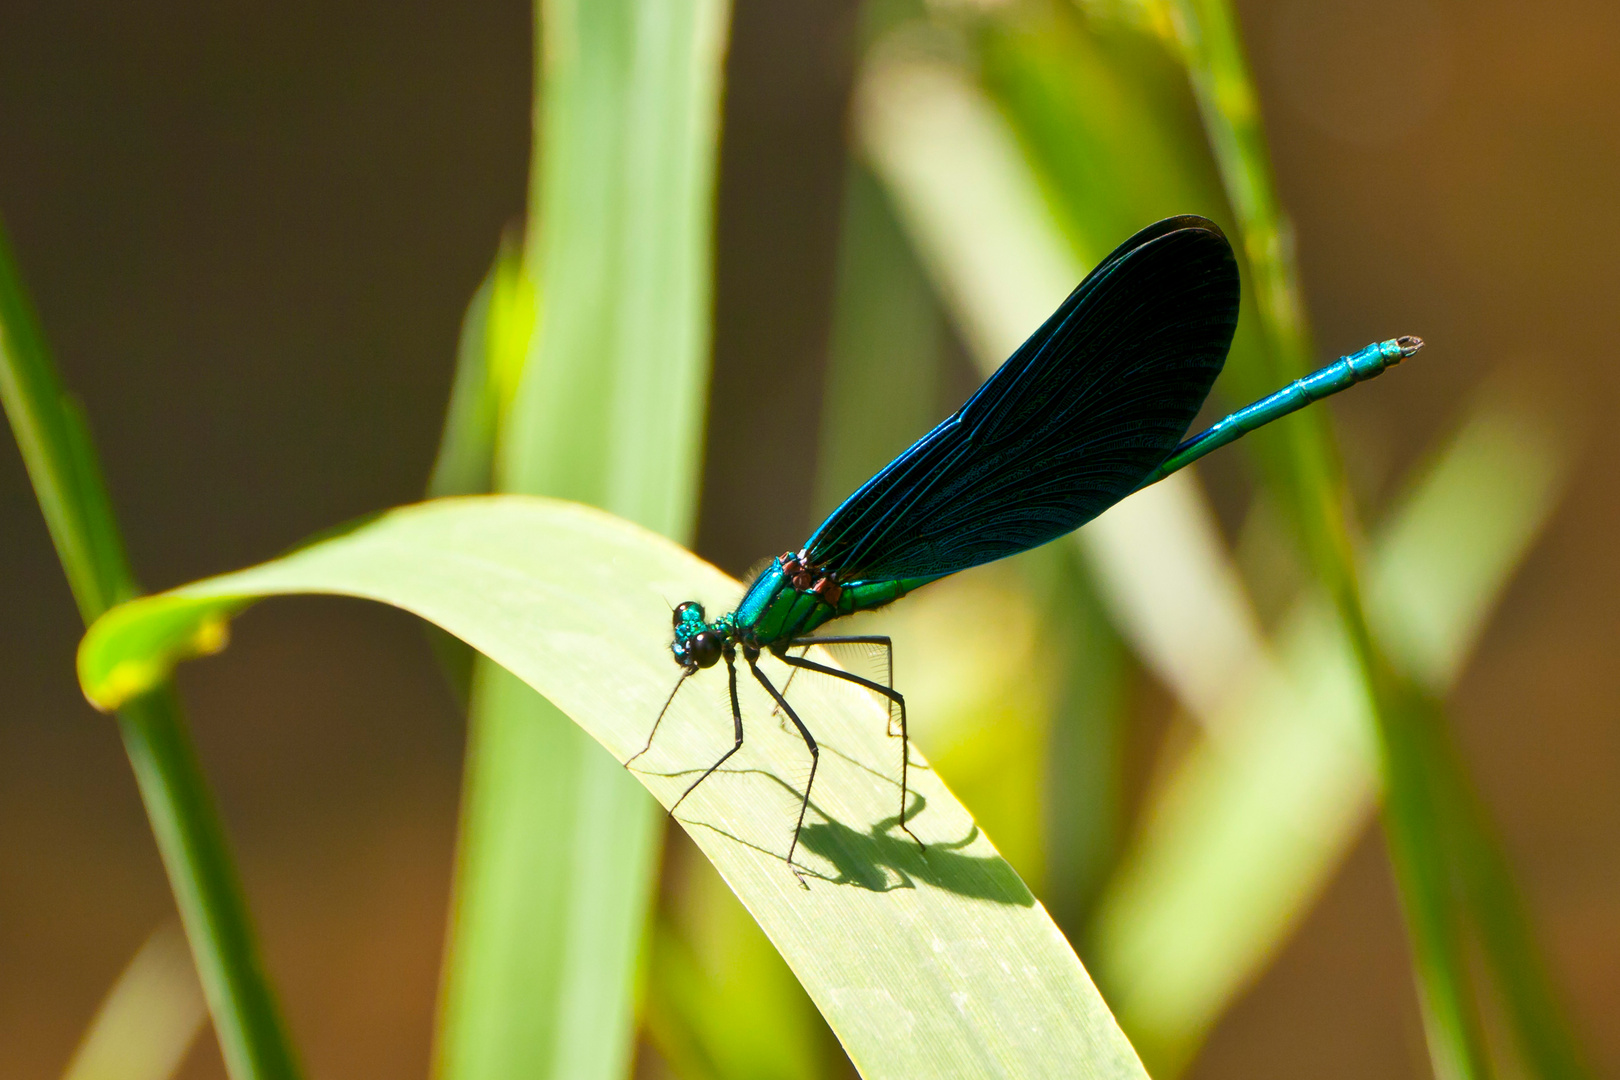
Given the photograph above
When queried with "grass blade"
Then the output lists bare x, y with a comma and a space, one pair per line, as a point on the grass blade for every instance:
494, 343
55, 447
973, 207
722, 1004
1242, 836
1544, 1038
920, 122
888, 342
149, 1019
559, 848
495, 336
1419, 800
62, 465
938, 964
1045, 766
610, 408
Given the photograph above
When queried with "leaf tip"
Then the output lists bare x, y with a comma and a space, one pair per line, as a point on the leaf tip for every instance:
124, 680
133, 647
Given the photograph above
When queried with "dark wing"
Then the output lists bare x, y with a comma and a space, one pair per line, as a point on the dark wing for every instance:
1068, 426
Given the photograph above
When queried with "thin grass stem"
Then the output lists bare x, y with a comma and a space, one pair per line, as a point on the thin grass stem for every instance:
62, 465
1435, 834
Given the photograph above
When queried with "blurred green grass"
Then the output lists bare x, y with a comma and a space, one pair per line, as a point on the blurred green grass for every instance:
1005, 148
57, 449
596, 394
1017, 143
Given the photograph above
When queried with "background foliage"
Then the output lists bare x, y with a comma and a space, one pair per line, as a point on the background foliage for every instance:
997, 153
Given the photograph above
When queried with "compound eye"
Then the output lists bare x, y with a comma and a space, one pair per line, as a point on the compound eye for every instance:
682, 611
704, 649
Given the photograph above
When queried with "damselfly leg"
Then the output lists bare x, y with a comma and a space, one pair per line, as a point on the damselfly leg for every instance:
800, 662
680, 682
737, 725
752, 656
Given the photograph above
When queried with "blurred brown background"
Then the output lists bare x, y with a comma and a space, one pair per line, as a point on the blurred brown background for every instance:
251, 233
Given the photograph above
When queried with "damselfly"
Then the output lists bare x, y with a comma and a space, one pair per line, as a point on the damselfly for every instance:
1090, 409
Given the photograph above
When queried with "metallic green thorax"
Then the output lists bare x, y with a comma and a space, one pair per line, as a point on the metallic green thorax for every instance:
774, 612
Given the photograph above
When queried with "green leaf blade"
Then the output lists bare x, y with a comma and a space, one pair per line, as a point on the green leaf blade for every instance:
936, 964
598, 395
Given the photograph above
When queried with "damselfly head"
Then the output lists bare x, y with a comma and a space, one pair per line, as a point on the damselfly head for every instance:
696, 645
689, 612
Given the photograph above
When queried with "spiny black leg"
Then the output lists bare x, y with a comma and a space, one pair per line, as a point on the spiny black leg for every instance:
888, 692
787, 685
846, 639
736, 720
667, 703
752, 656
852, 639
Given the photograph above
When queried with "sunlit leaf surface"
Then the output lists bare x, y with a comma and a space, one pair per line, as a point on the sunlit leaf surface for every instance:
925, 964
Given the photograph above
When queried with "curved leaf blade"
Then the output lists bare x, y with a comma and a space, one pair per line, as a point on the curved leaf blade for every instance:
939, 964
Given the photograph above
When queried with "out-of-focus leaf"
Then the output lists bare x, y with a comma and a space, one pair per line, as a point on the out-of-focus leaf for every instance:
1050, 773
935, 963
973, 208
979, 212
959, 183
1244, 834
1438, 568
722, 1004
1425, 781
495, 336
1102, 111
558, 850
1170, 585
1084, 770
888, 340
149, 1019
